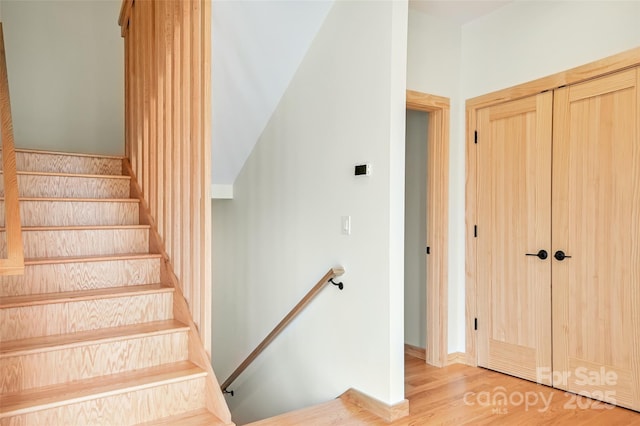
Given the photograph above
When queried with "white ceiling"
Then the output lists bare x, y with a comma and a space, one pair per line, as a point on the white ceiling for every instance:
257, 48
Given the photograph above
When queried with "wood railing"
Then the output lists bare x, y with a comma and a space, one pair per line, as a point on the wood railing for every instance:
13, 264
328, 277
167, 134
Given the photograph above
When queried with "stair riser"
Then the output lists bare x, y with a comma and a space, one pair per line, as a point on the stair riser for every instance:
75, 213
70, 187
39, 162
55, 163
125, 409
60, 318
41, 369
59, 243
51, 278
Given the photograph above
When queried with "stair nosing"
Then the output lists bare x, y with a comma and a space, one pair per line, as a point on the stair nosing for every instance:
116, 384
78, 339
77, 175
34, 261
69, 154
80, 228
82, 295
77, 200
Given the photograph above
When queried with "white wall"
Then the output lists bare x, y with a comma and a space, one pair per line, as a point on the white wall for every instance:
65, 64
281, 232
525, 40
433, 66
415, 229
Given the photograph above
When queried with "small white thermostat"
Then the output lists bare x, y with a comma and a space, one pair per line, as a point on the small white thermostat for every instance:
363, 170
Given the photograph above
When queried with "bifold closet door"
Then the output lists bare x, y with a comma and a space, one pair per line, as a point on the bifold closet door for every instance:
514, 225
596, 221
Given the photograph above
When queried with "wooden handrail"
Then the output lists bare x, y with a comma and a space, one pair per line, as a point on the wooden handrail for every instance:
330, 275
14, 263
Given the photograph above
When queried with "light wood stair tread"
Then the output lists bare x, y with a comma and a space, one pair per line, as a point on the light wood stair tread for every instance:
80, 295
68, 154
80, 259
338, 410
79, 228
341, 411
200, 417
77, 175
82, 338
99, 387
79, 200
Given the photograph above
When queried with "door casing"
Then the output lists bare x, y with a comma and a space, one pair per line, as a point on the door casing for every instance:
437, 221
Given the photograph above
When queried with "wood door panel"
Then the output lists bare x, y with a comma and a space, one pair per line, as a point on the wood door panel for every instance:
516, 359
514, 207
600, 381
596, 215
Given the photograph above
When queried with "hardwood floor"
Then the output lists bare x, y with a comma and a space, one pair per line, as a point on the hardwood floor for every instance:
463, 395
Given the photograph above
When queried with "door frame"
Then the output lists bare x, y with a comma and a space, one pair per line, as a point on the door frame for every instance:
611, 64
437, 221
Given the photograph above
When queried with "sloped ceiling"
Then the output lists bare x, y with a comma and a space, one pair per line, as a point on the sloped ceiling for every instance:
257, 46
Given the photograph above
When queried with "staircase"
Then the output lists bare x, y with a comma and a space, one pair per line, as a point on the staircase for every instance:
88, 333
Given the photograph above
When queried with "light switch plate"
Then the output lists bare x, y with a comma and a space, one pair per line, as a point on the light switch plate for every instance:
346, 225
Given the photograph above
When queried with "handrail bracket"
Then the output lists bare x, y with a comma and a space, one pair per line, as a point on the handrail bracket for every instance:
339, 285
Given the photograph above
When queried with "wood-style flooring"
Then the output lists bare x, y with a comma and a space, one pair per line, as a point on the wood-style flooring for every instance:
463, 395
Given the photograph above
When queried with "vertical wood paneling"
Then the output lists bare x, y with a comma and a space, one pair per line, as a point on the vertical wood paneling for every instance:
160, 86
127, 93
204, 224
168, 137
196, 147
168, 97
136, 119
185, 178
130, 99
177, 142
13, 264
153, 107
144, 100
168, 90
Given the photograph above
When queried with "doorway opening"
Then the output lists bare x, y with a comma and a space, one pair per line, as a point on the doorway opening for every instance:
415, 233
432, 116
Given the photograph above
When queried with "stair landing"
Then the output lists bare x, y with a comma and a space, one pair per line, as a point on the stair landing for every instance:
334, 412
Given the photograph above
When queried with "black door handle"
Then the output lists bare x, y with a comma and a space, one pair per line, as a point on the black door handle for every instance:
542, 254
560, 256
